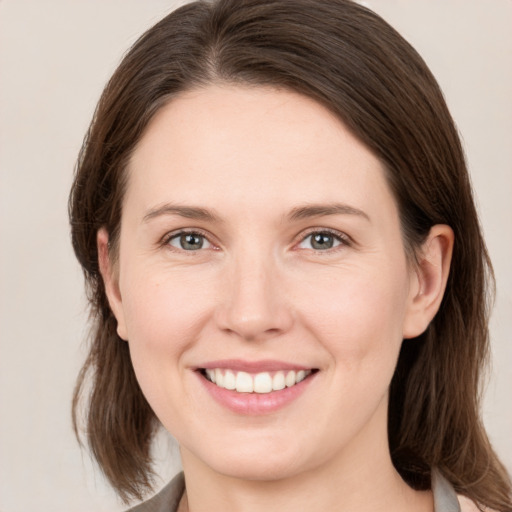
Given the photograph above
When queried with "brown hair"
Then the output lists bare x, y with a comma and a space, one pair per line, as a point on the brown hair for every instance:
350, 60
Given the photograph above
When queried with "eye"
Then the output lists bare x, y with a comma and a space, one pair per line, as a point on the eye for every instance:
189, 241
322, 241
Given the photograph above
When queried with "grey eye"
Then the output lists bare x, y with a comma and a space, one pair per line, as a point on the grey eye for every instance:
320, 241
189, 241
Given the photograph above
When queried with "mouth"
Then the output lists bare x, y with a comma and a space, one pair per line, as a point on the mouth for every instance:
257, 383
250, 388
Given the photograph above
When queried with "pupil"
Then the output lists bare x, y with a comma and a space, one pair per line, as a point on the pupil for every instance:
322, 241
191, 241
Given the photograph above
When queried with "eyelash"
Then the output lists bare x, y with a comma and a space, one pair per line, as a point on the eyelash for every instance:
176, 234
343, 239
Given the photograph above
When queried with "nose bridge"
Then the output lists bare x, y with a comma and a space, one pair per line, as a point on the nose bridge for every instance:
254, 305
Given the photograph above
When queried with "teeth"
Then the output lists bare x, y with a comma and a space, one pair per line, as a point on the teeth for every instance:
244, 382
290, 379
229, 380
219, 378
278, 382
263, 382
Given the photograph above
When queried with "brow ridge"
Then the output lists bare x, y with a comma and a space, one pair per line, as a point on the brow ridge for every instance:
319, 210
297, 213
189, 212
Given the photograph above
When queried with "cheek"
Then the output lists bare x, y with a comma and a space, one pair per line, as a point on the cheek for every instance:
162, 307
358, 314
164, 315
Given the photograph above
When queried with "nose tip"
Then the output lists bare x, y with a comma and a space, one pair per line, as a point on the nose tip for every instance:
251, 327
254, 306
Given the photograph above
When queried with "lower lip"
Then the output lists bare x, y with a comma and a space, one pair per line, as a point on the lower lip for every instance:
256, 403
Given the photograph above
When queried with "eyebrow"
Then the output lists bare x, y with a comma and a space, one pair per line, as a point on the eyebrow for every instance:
189, 212
298, 213
319, 210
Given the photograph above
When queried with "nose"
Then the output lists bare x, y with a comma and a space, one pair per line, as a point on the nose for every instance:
254, 305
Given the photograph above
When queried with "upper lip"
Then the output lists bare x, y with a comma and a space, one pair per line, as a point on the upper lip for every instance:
265, 365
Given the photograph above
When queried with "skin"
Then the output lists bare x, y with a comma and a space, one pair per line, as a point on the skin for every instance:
259, 289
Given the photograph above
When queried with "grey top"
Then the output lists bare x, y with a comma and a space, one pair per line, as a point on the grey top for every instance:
168, 499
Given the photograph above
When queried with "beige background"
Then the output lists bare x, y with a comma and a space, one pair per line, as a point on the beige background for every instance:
55, 56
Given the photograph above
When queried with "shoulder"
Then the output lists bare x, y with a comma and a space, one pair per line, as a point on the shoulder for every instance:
467, 505
167, 500
446, 500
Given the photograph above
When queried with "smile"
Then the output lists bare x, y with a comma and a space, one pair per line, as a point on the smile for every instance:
263, 382
257, 387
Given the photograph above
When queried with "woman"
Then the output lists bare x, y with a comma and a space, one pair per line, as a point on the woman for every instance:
285, 268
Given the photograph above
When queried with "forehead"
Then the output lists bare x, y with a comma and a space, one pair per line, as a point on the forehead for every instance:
251, 145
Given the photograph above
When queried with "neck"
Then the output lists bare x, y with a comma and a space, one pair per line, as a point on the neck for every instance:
377, 495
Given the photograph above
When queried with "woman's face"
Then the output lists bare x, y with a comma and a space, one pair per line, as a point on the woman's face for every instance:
260, 244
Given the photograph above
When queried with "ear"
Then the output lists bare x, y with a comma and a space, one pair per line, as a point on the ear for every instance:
429, 279
111, 281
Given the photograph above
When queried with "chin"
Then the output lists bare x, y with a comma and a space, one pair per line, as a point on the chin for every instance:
256, 459
258, 469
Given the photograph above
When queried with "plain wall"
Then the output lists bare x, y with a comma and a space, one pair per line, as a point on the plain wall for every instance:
55, 57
